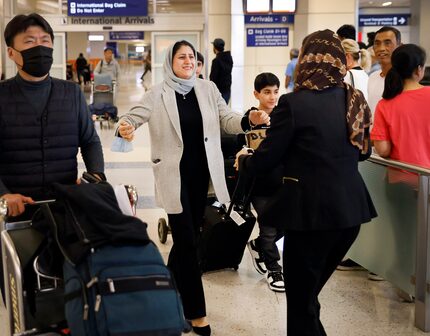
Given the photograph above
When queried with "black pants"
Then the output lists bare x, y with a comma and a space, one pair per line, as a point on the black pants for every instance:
268, 236
183, 260
310, 258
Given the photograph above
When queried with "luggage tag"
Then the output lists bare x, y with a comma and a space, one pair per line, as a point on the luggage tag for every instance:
238, 219
234, 215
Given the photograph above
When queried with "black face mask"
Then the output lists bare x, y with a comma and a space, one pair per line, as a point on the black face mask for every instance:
37, 60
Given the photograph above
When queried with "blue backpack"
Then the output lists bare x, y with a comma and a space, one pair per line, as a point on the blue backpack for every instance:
122, 291
115, 280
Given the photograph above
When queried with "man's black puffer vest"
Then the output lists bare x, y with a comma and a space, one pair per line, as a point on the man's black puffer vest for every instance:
37, 150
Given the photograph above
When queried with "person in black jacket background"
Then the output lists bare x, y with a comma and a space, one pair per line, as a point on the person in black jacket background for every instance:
81, 68
319, 133
222, 65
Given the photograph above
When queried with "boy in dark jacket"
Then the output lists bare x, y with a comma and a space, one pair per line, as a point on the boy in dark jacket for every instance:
264, 252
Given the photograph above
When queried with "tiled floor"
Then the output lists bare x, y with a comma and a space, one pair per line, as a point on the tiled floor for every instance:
240, 303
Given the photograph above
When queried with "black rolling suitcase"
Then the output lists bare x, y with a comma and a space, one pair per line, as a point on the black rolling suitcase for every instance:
223, 240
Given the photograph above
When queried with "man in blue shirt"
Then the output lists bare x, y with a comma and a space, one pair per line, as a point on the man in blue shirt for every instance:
289, 72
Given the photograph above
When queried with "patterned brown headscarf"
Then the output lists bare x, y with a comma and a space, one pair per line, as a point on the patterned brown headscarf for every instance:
321, 65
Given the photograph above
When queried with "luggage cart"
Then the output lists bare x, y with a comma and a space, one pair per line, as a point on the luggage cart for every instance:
163, 230
103, 99
19, 243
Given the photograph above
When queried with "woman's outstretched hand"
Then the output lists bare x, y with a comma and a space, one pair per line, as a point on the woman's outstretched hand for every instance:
126, 131
259, 117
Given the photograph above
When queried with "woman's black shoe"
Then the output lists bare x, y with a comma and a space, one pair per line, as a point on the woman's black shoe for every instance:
203, 331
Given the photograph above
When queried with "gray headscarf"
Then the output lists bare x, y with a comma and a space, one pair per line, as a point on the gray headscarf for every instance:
182, 86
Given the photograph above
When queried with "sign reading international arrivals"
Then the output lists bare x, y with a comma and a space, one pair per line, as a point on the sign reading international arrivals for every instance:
267, 37
384, 20
107, 8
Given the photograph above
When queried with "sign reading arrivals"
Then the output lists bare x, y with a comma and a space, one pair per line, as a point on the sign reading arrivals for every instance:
267, 37
107, 8
268, 19
384, 20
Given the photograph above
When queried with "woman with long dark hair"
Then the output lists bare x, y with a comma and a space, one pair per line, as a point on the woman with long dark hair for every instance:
319, 133
402, 123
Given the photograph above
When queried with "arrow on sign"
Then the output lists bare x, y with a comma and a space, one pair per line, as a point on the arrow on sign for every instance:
402, 20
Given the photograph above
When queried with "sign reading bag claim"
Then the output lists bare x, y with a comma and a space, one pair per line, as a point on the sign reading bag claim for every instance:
107, 8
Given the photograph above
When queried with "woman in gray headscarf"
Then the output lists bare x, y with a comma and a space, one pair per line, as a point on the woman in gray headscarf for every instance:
184, 116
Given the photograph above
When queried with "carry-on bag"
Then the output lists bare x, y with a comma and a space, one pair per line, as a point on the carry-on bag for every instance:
114, 285
225, 232
123, 291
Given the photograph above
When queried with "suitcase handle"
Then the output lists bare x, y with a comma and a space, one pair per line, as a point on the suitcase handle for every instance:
247, 200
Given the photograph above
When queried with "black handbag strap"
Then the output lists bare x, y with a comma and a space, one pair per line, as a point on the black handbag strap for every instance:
46, 210
241, 181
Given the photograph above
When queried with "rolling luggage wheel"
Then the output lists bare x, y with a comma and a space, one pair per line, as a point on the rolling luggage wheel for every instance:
163, 230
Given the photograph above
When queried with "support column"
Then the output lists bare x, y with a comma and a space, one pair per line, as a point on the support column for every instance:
8, 67
225, 20
218, 25
419, 24
313, 15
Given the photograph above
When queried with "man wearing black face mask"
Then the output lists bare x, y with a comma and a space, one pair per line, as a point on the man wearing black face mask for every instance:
43, 120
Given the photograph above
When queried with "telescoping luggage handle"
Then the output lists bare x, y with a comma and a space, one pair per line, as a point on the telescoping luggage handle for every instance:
234, 215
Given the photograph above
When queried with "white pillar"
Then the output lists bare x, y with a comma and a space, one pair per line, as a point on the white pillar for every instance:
9, 68
313, 15
420, 24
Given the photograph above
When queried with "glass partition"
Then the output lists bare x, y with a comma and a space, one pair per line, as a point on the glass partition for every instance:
396, 244
387, 244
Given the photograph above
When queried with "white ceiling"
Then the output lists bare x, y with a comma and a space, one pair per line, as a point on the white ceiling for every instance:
378, 3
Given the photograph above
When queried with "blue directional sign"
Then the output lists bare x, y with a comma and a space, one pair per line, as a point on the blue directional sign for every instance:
384, 20
267, 37
126, 35
265, 19
107, 7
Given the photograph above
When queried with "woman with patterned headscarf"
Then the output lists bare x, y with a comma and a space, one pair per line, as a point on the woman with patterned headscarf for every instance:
319, 133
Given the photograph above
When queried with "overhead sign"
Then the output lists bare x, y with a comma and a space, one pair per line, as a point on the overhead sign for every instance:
265, 19
107, 8
127, 35
267, 37
120, 20
384, 20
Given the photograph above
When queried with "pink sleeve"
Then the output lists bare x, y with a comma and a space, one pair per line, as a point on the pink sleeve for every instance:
380, 130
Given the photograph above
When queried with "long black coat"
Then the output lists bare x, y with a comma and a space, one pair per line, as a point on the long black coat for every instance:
322, 189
